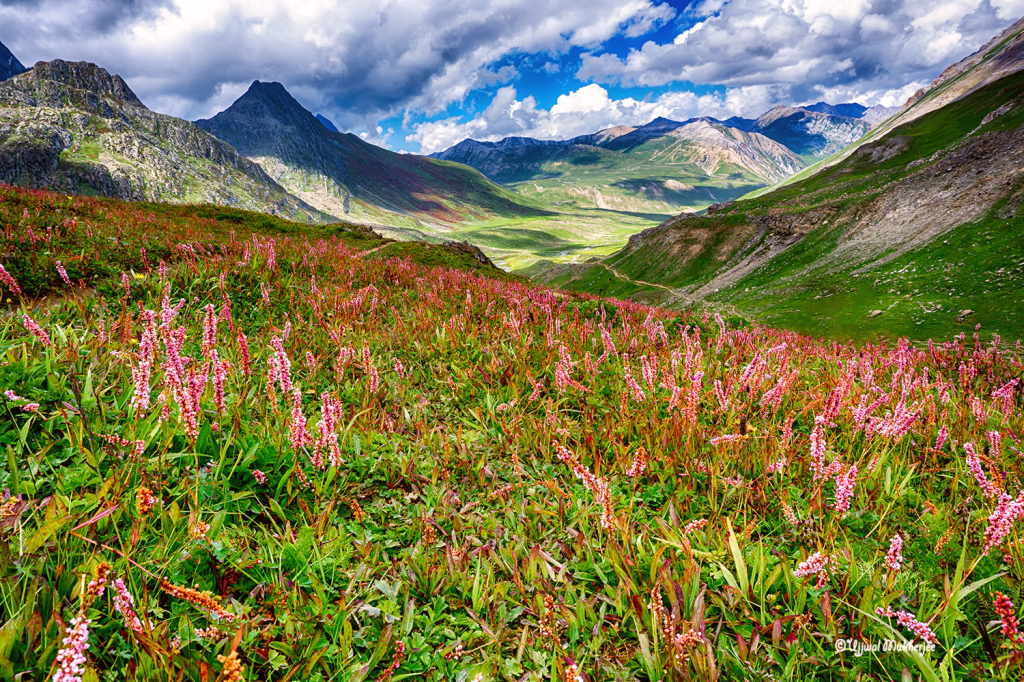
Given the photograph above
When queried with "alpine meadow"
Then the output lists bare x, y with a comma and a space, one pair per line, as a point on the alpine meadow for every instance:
688, 379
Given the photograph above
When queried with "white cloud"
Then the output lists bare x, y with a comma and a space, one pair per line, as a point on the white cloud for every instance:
878, 44
588, 110
371, 58
1008, 10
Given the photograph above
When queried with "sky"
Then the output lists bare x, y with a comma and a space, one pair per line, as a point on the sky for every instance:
421, 75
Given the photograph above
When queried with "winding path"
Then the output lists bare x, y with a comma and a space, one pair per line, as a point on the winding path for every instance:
678, 295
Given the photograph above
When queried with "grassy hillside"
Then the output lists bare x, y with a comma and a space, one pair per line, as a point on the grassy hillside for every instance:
922, 225
280, 455
98, 239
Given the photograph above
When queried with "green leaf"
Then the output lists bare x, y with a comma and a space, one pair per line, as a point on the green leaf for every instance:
737, 556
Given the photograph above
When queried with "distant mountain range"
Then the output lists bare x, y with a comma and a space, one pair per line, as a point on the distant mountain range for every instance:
75, 128
666, 165
914, 230
9, 64
346, 177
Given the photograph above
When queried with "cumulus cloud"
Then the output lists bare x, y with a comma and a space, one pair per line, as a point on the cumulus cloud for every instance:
588, 110
372, 59
856, 46
363, 62
60, 19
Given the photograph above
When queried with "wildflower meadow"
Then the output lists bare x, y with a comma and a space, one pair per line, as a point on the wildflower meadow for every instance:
243, 449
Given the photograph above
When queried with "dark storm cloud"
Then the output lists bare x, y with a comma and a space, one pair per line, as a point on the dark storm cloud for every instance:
80, 18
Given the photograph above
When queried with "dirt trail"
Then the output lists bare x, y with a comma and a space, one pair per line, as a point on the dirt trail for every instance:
376, 248
639, 282
677, 295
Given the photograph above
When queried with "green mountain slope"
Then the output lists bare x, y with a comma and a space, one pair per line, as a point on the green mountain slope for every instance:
659, 168
998, 58
902, 236
342, 175
73, 127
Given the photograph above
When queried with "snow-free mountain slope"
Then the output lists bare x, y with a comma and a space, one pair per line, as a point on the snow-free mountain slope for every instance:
9, 64
343, 175
75, 128
661, 167
918, 231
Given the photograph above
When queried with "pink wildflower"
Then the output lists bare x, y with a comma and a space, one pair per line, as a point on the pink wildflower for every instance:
787, 512
243, 350
818, 448
329, 411
1001, 521
692, 398
63, 273
908, 620
995, 442
140, 377
844, 489
728, 438
220, 368
35, 330
300, 436
695, 525
990, 489
9, 280
260, 477
209, 330
125, 605
280, 366
636, 469
1005, 611
894, 558
816, 564
71, 657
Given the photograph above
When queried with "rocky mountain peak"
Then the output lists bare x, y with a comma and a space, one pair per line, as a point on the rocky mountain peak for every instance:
328, 123
849, 110
85, 76
9, 64
266, 117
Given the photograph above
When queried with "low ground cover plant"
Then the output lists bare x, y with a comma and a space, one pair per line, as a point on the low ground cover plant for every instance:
258, 452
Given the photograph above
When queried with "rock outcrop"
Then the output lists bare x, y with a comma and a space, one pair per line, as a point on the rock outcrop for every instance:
74, 127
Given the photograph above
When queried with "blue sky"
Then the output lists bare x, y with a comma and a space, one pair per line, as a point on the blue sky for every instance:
421, 75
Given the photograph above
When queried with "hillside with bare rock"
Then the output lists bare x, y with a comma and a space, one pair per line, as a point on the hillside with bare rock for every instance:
73, 127
899, 236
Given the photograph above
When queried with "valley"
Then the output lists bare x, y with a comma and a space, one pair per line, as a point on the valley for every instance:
691, 400
896, 236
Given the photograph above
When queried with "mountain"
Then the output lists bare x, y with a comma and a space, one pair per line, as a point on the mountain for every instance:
876, 114
844, 110
1000, 57
917, 232
9, 64
75, 128
341, 174
657, 168
812, 133
328, 123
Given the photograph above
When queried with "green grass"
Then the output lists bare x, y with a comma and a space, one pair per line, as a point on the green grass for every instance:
487, 517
